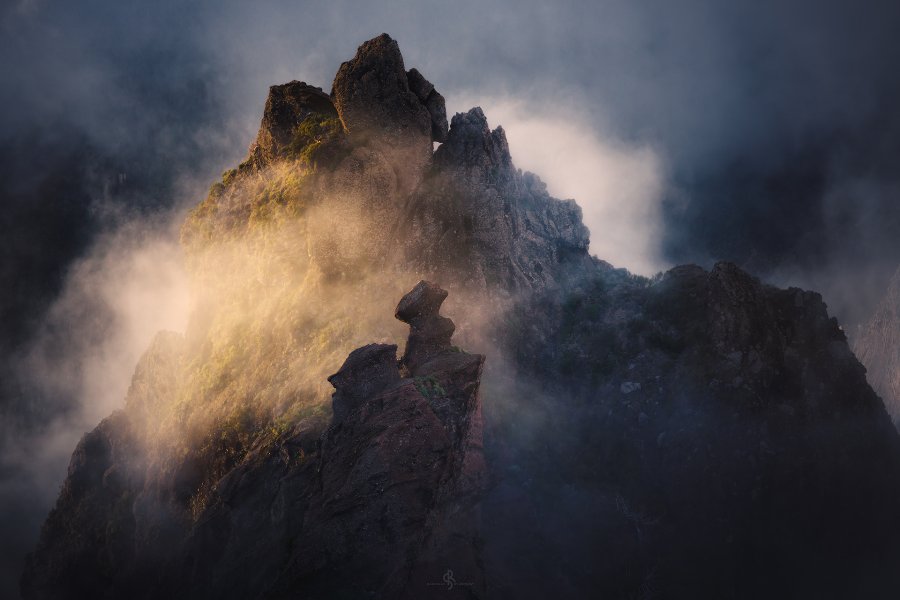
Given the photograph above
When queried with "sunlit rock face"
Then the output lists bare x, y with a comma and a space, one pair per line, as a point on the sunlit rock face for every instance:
698, 434
386, 490
287, 107
373, 97
877, 344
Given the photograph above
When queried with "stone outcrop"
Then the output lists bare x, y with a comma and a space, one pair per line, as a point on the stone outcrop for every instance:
410, 460
367, 371
373, 98
430, 333
392, 118
433, 101
378, 504
286, 107
482, 220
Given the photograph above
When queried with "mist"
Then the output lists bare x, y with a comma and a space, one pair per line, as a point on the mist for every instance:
79, 364
760, 132
131, 285
618, 185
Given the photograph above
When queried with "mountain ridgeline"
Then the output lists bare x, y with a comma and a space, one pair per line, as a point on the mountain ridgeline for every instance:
698, 434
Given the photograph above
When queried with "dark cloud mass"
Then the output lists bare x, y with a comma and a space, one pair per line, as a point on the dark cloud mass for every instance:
777, 124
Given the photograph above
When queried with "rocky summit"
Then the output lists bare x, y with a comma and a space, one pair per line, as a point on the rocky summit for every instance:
478, 217
698, 434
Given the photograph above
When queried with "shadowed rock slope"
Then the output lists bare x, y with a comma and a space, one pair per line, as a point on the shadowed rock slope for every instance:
699, 434
718, 440
877, 344
384, 492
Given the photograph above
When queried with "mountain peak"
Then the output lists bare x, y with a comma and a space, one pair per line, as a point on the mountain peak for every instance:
678, 429
472, 144
379, 109
287, 106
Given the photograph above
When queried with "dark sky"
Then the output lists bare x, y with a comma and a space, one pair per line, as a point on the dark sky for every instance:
777, 121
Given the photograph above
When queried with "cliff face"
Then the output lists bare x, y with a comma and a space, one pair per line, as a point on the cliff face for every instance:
481, 221
699, 434
718, 435
385, 491
877, 344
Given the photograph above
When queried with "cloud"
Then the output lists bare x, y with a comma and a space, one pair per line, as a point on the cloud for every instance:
773, 125
619, 186
131, 285
78, 366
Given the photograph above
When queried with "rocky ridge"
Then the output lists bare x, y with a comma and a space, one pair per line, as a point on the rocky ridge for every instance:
464, 210
384, 492
714, 426
488, 223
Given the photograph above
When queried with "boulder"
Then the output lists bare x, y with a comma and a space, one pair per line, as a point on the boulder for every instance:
429, 332
424, 300
366, 372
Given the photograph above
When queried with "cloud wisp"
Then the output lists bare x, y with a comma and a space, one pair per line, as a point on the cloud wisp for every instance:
618, 185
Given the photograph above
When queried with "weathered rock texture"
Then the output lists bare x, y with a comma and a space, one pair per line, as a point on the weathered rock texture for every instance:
481, 219
718, 433
433, 101
430, 333
373, 97
367, 371
877, 344
287, 106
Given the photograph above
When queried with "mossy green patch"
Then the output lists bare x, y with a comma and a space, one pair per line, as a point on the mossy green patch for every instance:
429, 387
318, 137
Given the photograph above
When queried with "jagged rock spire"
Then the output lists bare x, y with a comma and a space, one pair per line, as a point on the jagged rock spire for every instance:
374, 98
471, 144
429, 333
286, 107
374, 93
433, 101
478, 219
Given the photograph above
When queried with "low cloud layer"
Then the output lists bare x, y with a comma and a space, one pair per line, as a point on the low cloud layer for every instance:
77, 368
